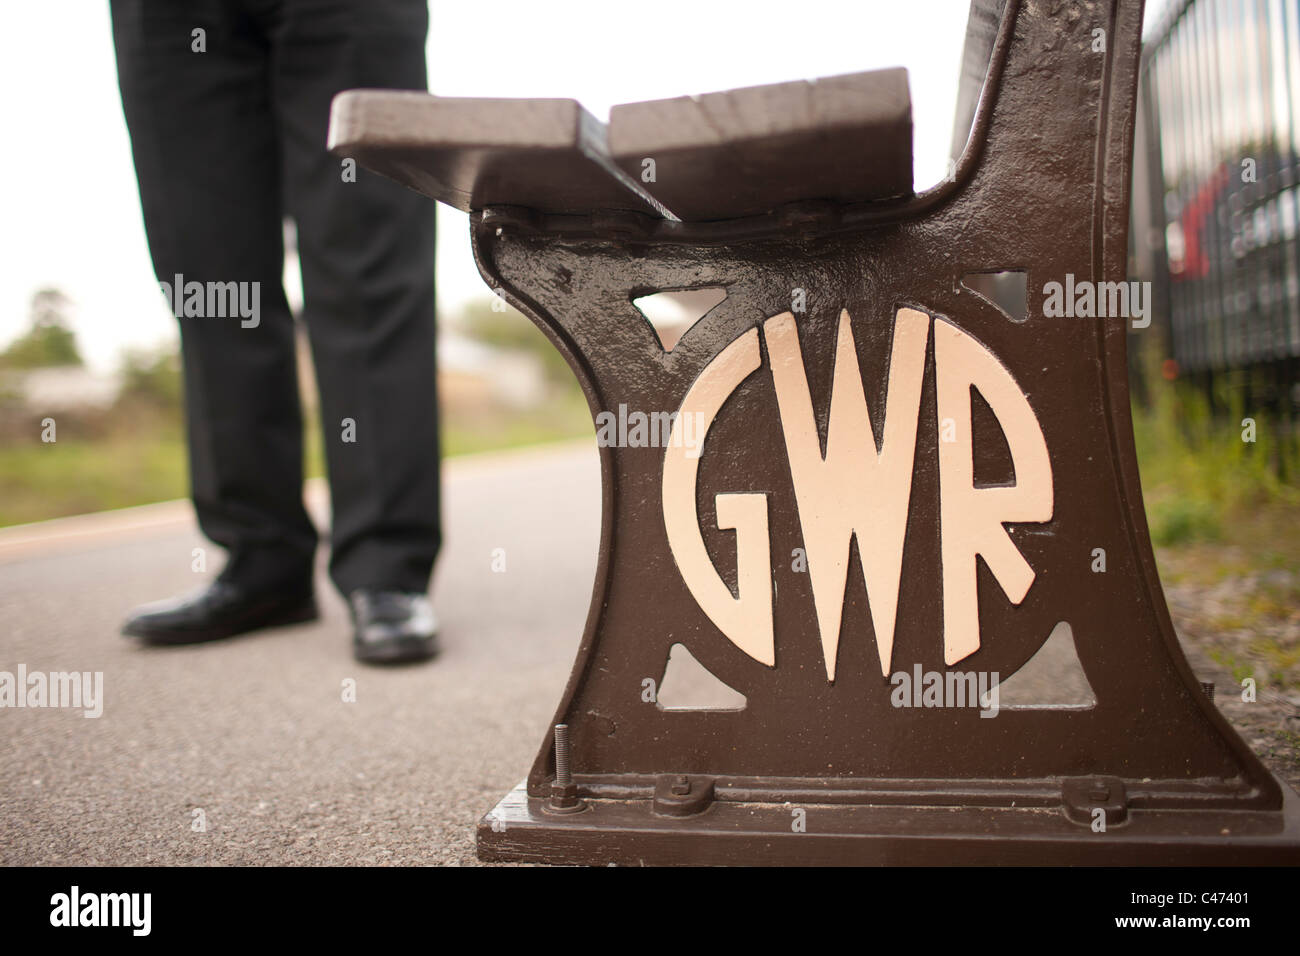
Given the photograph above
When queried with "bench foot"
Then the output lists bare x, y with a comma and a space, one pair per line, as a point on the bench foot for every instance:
627, 832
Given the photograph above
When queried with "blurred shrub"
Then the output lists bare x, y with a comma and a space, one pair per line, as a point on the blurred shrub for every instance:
49, 340
152, 380
1199, 474
511, 330
1180, 520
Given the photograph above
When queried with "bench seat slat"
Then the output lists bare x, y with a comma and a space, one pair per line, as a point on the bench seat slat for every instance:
845, 139
545, 154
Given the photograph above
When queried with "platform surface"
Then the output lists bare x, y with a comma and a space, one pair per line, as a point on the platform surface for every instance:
253, 730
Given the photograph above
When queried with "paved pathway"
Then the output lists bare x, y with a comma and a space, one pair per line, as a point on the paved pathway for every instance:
254, 731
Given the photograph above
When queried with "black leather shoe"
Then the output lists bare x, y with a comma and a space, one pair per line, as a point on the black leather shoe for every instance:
392, 627
221, 610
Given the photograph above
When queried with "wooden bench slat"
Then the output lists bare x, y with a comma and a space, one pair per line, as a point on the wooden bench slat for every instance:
545, 154
744, 152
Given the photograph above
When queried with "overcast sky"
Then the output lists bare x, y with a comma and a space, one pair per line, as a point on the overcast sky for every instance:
71, 214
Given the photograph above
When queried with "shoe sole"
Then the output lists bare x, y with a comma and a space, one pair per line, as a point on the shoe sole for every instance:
302, 614
400, 650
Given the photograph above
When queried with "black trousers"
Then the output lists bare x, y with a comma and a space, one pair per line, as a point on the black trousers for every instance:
228, 141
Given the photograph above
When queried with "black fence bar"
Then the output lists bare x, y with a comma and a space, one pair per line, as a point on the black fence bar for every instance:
1219, 159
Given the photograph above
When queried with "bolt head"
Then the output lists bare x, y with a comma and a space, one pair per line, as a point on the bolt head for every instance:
564, 796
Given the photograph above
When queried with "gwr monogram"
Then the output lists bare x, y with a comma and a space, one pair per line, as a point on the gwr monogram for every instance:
861, 486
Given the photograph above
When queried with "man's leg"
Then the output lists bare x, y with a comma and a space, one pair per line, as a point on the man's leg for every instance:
206, 156
367, 251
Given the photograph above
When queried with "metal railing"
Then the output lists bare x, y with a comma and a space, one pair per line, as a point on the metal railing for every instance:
1216, 202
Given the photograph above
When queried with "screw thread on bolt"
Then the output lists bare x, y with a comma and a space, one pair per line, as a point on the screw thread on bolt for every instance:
1208, 687
562, 755
564, 795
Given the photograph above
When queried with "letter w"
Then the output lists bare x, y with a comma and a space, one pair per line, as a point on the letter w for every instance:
852, 489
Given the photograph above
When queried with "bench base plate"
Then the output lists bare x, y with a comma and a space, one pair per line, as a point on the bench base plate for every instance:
628, 832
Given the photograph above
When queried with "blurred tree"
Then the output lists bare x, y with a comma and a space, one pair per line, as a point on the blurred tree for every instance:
152, 379
505, 327
50, 339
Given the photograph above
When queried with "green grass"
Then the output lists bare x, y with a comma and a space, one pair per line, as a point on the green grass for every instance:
1229, 663
1216, 505
1201, 481
71, 476
77, 475
565, 416
1226, 525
